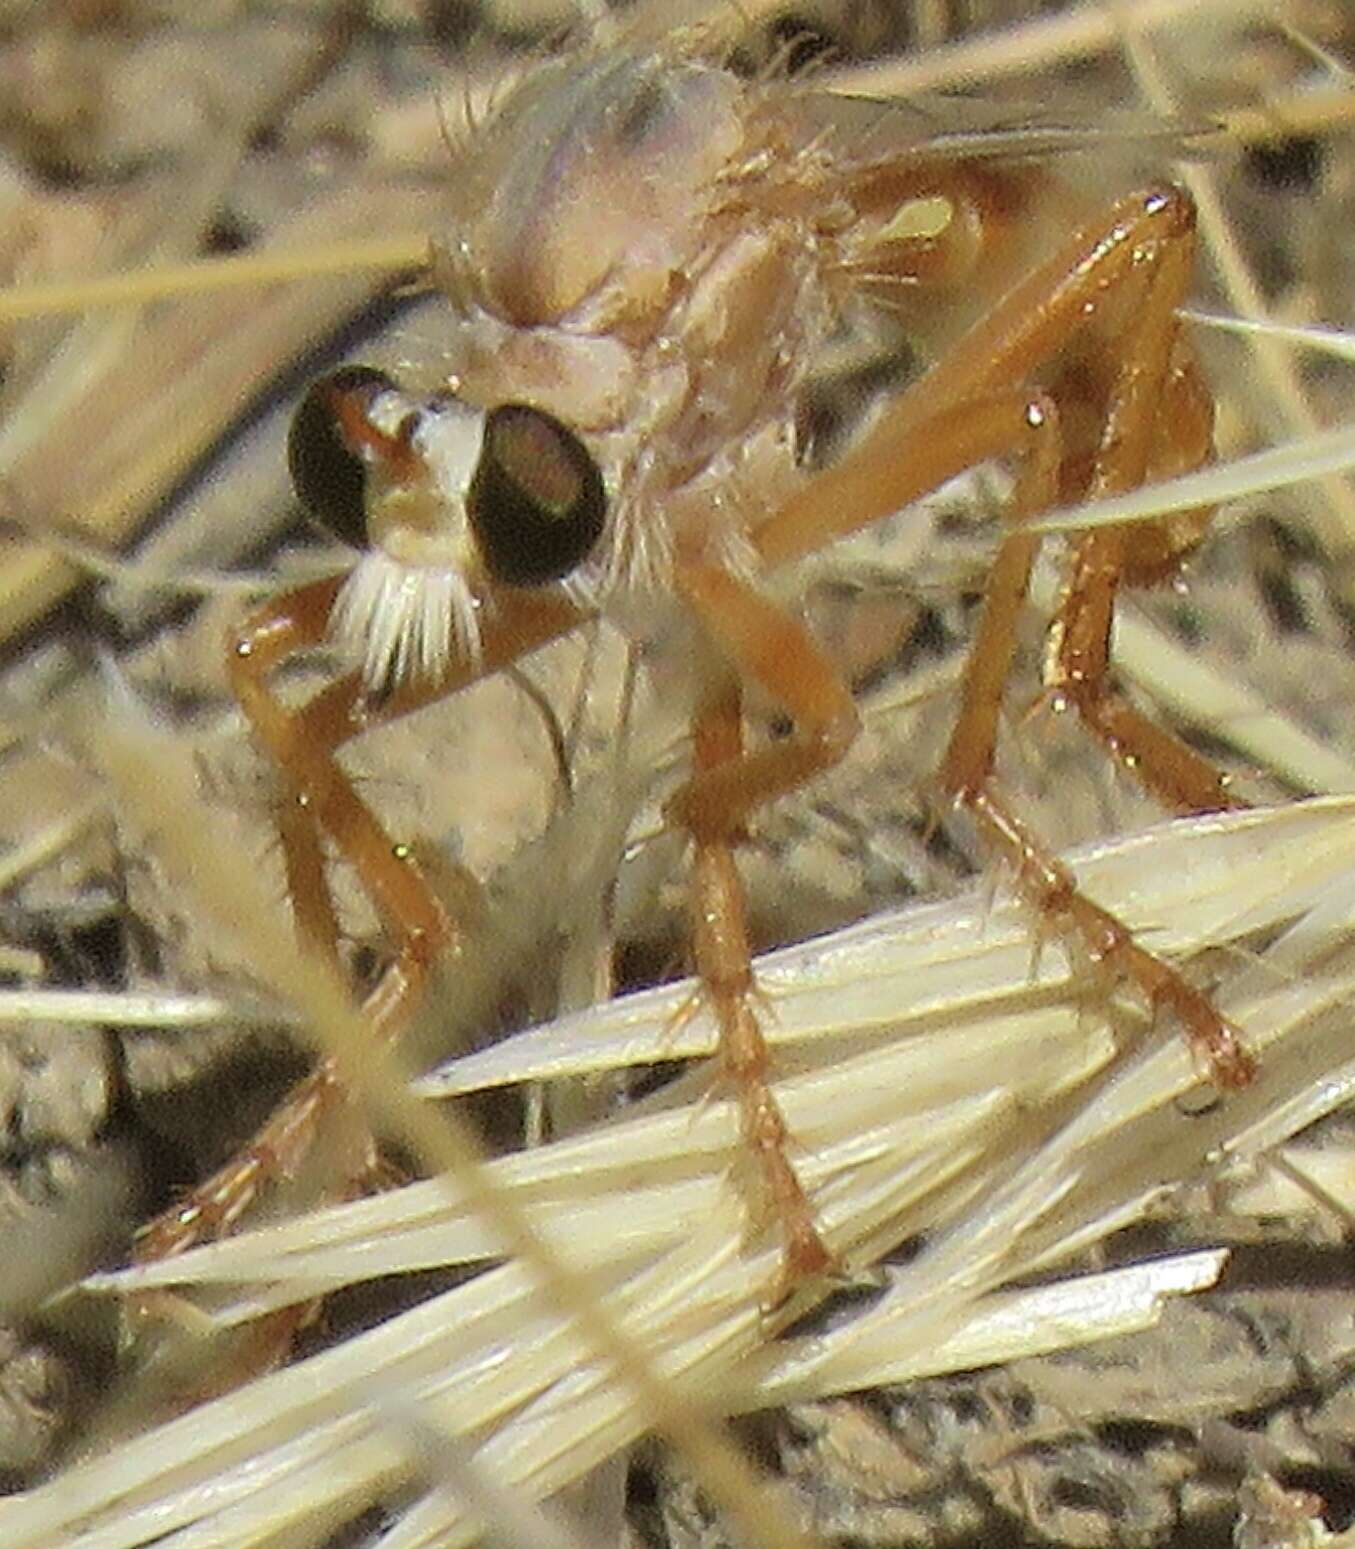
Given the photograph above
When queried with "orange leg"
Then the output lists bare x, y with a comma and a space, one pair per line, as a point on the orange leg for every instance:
318, 798
723, 962
766, 646
1169, 436
897, 462
1078, 676
303, 742
316, 788
1133, 265
762, 644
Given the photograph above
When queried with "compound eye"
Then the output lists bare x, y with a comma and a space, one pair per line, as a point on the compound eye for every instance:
536, 503
325, 451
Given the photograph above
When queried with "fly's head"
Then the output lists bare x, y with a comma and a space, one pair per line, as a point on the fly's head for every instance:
447, 504
596, 289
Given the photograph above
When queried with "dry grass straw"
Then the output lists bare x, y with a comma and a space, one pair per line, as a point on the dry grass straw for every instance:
948, 1083
942, 1086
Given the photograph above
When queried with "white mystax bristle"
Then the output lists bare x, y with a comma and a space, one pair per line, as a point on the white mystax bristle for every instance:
402, 623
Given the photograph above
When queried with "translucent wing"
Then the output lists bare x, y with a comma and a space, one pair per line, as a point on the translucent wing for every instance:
862, 131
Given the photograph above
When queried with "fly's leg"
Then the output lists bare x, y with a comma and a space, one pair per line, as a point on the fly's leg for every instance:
966, 774
1118, 281
723, 962
318, 800
1156, 420
284, 626
1171, 435
762, 644
912, 449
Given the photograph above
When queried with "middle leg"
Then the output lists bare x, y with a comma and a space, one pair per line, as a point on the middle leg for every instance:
722, 957
758, 643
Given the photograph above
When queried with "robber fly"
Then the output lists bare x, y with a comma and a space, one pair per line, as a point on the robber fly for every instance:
642, 257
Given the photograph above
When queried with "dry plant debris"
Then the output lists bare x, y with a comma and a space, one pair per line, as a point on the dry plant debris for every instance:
976, 1124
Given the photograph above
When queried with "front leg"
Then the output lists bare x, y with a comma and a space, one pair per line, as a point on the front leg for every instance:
317, 800
319, 796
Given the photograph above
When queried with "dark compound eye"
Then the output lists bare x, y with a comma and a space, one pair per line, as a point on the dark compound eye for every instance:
328, 471
537, 502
